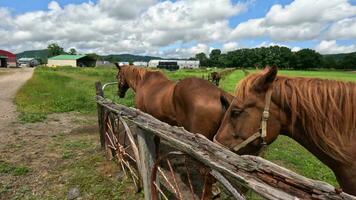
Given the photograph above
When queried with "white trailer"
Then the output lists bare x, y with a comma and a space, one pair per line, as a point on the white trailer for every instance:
183, 64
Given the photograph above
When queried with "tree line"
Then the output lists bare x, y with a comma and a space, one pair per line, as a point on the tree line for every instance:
280, 56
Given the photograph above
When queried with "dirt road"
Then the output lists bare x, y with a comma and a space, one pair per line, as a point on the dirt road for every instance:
52, 158
10, 81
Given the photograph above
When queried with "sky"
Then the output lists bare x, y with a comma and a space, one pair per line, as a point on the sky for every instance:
177, 28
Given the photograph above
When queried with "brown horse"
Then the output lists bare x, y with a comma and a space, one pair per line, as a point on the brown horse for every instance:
215, 77
192, 102
318, 114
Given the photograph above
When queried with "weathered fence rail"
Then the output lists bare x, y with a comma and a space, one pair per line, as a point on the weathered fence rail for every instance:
264, 177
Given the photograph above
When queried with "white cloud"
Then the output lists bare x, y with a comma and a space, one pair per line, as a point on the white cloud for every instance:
108, 26
306, 11
300, 20
249, 29
53, 5
258, 28
148, 26
187, 52
345, 29
230, 46
268, 44
124, 9
330, 47
295, 49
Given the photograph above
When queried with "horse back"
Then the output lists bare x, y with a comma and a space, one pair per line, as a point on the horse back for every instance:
155, 98
198, 107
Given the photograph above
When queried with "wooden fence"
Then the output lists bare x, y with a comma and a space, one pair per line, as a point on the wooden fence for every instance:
263, 177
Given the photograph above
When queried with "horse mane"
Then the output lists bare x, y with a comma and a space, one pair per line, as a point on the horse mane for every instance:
326, 109
136, 74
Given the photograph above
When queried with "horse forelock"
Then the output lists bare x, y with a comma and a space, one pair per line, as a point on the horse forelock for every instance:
326, 109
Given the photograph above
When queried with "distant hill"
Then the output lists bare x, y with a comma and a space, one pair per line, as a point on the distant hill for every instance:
41, 55
128, 57
338, 56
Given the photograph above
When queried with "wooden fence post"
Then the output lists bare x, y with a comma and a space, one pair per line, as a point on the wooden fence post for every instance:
100, 92
147, 149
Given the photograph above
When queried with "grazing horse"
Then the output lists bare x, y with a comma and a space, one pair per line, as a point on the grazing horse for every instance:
215, 77
319, 114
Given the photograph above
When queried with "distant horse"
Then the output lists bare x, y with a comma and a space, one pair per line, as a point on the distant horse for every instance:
192, 102
318, 114
215, 77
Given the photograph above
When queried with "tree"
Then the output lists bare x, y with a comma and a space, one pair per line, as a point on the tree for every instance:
93, 56
329, 62
202, 59
72, 51
225, 61
54, 50
349, 61
214, 58
308, 59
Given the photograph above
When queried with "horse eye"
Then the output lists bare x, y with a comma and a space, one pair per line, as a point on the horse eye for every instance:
235, 112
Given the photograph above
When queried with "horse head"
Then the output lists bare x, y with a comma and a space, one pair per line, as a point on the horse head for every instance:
121, 79
244, 126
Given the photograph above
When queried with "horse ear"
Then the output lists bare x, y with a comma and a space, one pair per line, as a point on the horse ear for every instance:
118, 66
265, 81
225, 100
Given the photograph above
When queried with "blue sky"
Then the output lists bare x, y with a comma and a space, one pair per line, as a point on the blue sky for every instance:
178, 28
19, 6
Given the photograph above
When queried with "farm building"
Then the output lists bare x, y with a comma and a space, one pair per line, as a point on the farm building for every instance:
8, 59
27, 62
174, 64
124, 63
3, 61
71, 60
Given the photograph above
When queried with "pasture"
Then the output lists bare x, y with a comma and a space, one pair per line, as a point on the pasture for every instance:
71, 90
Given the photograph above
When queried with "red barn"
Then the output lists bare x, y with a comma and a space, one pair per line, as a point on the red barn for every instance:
7, 59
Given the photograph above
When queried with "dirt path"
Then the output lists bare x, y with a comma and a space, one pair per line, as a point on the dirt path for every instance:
53, 158
10, 81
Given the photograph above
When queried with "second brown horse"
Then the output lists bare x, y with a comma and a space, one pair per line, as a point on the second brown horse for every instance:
192, 102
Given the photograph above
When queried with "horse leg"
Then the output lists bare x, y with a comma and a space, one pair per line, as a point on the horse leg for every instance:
347, 179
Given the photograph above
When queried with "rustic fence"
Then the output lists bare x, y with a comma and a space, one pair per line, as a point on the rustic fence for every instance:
263, 177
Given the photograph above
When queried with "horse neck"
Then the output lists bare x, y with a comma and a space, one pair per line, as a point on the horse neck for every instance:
297, 132
134, 78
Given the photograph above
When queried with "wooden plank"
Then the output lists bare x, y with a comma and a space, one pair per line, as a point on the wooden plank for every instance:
228, 186
147, 151
262, 176
99, 92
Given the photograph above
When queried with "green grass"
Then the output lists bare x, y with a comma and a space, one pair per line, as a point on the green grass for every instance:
12, 169
56, 90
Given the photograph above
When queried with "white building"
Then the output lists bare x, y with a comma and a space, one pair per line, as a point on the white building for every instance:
124, 63
182, 64
140, 64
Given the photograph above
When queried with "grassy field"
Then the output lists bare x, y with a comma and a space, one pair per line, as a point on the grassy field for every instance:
61, 90
66, 89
